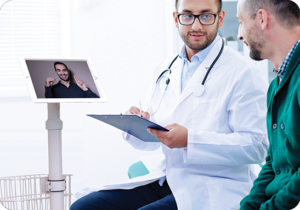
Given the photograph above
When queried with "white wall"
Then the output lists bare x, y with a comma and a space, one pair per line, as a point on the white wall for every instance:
125, 40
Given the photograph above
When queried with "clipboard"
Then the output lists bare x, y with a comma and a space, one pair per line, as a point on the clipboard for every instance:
132, 124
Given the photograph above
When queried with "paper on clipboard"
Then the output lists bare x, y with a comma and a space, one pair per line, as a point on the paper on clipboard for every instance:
132, 124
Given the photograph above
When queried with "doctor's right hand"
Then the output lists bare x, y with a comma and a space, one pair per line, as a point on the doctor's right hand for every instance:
49, 81
136, 111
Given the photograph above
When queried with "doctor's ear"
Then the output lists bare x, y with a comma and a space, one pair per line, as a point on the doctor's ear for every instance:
221, 18
175, 19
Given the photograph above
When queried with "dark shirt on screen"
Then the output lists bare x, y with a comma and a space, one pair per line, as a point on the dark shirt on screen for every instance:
73, 91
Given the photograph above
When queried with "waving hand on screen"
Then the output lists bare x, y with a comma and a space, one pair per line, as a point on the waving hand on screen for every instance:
80, 83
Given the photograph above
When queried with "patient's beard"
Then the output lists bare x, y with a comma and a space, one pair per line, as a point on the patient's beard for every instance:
255, 45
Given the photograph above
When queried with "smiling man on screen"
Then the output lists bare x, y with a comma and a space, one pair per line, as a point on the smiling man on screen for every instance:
65, 88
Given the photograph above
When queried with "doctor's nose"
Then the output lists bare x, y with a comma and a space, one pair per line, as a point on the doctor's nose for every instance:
197, 25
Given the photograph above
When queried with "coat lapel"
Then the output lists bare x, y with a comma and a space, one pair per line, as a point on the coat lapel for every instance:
175, 77
294, 62
201, 71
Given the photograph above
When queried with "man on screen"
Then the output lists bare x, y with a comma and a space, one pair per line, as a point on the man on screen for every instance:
65, 88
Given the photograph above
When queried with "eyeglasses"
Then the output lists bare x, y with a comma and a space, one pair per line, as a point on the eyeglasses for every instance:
189, 19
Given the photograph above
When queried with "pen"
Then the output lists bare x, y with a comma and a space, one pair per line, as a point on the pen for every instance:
140, 107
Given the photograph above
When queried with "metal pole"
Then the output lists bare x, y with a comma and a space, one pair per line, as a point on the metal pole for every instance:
54, 127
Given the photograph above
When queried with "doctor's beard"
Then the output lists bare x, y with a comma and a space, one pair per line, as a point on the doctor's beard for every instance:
199, 46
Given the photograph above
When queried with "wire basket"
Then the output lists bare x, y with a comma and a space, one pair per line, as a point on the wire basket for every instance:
29, 192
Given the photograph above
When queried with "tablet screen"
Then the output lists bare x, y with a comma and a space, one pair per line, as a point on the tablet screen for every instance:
55, 79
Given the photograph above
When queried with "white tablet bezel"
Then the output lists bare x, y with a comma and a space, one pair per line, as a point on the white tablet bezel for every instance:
32, 92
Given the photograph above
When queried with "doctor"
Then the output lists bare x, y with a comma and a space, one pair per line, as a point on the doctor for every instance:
217, 124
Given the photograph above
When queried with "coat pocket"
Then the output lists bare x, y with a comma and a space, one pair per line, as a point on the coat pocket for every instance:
226, 193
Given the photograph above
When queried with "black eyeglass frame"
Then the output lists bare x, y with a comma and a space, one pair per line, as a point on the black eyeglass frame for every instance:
197, 16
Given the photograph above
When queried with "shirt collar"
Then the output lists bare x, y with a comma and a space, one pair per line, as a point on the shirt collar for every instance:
71, 83
286, 61
200, 55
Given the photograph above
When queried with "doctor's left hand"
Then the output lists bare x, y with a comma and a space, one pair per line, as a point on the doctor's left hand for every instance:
176, 137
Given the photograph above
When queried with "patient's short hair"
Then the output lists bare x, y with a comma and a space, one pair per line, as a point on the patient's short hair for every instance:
286, 12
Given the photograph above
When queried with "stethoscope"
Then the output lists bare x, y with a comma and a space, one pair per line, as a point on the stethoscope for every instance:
198, 89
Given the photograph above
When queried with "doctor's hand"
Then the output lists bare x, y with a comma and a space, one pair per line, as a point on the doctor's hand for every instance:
80, 83
136, 111
176, 137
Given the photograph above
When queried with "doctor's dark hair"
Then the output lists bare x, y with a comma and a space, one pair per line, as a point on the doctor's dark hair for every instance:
57, 62
218, 1
286, 12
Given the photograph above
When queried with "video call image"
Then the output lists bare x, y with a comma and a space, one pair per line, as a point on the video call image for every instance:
62, 79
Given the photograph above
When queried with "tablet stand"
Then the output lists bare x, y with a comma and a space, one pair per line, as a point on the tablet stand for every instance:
56, 183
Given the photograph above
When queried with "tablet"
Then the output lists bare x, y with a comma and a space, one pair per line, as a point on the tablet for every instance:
56, 80
132, 124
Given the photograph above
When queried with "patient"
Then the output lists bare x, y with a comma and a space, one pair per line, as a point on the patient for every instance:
271, 29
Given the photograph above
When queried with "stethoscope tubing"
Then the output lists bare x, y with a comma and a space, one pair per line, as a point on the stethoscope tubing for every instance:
170, 71
213, 63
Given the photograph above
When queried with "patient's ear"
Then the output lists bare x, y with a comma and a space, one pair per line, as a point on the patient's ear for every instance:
263, 18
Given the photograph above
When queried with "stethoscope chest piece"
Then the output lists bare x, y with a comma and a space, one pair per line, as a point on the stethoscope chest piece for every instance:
198, 90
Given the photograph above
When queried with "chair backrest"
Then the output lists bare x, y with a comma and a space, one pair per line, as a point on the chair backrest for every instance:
137, 169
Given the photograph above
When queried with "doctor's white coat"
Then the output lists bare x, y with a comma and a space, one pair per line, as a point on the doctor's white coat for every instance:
226, 132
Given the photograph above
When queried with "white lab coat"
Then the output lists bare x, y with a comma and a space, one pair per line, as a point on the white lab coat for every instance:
226, 132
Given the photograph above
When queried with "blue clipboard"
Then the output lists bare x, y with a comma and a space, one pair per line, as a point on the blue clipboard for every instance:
132, 124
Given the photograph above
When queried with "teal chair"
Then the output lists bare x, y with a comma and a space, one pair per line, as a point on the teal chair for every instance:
137, 169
